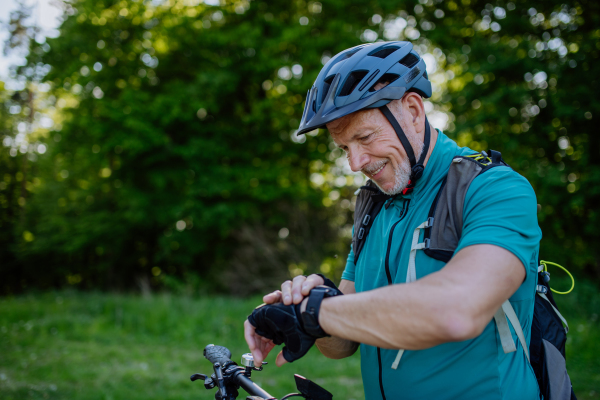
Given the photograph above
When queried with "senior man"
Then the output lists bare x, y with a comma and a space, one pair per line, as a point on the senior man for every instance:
433, 335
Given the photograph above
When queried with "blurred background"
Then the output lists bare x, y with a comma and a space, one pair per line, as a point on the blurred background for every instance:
151, 183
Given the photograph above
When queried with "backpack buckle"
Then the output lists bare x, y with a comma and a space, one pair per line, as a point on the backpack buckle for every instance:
429, 222
426, 243
366, 219
361, 233
542, 289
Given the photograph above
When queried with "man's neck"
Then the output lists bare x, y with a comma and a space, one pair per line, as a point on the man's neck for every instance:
432, 142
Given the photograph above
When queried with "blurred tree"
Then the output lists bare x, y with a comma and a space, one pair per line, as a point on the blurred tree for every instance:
19, 122
174, 152
522, 80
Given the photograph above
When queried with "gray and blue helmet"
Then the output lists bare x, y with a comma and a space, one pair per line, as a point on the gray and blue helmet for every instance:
347, 82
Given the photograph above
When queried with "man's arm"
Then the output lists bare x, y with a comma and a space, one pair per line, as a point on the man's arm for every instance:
453, 304
335, 347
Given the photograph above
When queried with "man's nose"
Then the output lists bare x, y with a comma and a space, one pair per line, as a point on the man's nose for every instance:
358, 159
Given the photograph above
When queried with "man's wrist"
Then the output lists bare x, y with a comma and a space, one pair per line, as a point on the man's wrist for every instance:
303, 305
309, 310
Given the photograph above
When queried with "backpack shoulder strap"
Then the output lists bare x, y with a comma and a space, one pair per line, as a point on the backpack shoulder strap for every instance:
506, 311
368, 205
446, 212
445, 229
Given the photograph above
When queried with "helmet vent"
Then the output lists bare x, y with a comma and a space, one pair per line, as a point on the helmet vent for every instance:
354, 51
326, 84
386, 79
410, 60
352, 81
383, 53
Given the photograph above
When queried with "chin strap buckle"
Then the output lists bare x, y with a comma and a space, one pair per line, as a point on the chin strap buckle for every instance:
409, 188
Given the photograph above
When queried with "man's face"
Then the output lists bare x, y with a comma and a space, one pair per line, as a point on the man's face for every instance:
372, 146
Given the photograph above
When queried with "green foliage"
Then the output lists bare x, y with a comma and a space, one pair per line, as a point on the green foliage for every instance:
10, 189
172, 157
174, 152
524, 83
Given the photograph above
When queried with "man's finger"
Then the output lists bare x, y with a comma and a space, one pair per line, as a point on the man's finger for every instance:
297, 289
250, 336
280, 359
259, 346
274, 297
310, 283
286, 292
265, 347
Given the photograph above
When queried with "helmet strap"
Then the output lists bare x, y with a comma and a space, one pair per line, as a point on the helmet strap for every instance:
416, 167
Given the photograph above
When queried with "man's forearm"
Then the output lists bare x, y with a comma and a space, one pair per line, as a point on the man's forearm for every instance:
453, 304
382, 318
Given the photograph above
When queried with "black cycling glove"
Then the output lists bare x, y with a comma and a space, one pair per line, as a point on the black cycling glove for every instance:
285, 324
282, 324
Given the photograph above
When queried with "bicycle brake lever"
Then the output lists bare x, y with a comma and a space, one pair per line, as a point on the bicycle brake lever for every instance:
195, 377
209, 383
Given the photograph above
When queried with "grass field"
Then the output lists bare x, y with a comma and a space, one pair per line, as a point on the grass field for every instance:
71, 345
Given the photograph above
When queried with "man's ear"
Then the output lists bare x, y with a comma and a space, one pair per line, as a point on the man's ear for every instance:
414, 104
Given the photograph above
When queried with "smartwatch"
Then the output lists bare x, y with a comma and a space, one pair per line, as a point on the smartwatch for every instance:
310, 316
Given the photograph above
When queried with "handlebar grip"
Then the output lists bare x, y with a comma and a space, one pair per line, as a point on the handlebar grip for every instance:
217, 354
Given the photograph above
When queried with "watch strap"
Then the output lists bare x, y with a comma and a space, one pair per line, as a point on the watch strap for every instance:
328, 282
310, 316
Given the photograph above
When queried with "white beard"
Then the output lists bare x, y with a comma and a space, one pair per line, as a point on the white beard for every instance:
401, 176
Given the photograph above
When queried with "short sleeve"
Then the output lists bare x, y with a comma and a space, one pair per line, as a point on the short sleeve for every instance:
348, 273
501, 209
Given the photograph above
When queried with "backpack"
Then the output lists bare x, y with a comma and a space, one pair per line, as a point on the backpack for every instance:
443, 229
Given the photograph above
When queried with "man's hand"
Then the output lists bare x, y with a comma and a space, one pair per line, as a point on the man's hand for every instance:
293, 292
283, 325
260, 346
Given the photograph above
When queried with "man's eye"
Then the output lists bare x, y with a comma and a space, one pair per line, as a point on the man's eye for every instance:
365, 138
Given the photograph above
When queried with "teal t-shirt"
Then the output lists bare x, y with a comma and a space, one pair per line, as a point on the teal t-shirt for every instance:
500, 208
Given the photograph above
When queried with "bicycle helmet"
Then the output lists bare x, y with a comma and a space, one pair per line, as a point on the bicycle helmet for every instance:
347, 84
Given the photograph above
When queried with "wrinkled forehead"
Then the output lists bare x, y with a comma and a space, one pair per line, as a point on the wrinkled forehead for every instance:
344, 128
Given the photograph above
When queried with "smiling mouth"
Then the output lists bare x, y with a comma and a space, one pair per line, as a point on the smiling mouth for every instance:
377, 171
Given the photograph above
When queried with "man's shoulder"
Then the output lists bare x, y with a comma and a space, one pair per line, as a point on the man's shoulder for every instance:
502, 178
503, 191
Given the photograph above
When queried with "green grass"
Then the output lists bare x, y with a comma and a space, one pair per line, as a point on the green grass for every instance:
109, 346
70, 345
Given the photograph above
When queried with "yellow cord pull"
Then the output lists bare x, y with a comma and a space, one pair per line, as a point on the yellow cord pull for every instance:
545, 264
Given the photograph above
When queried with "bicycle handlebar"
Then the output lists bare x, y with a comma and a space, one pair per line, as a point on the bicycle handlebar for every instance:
217, 354
252, 388
228, 377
